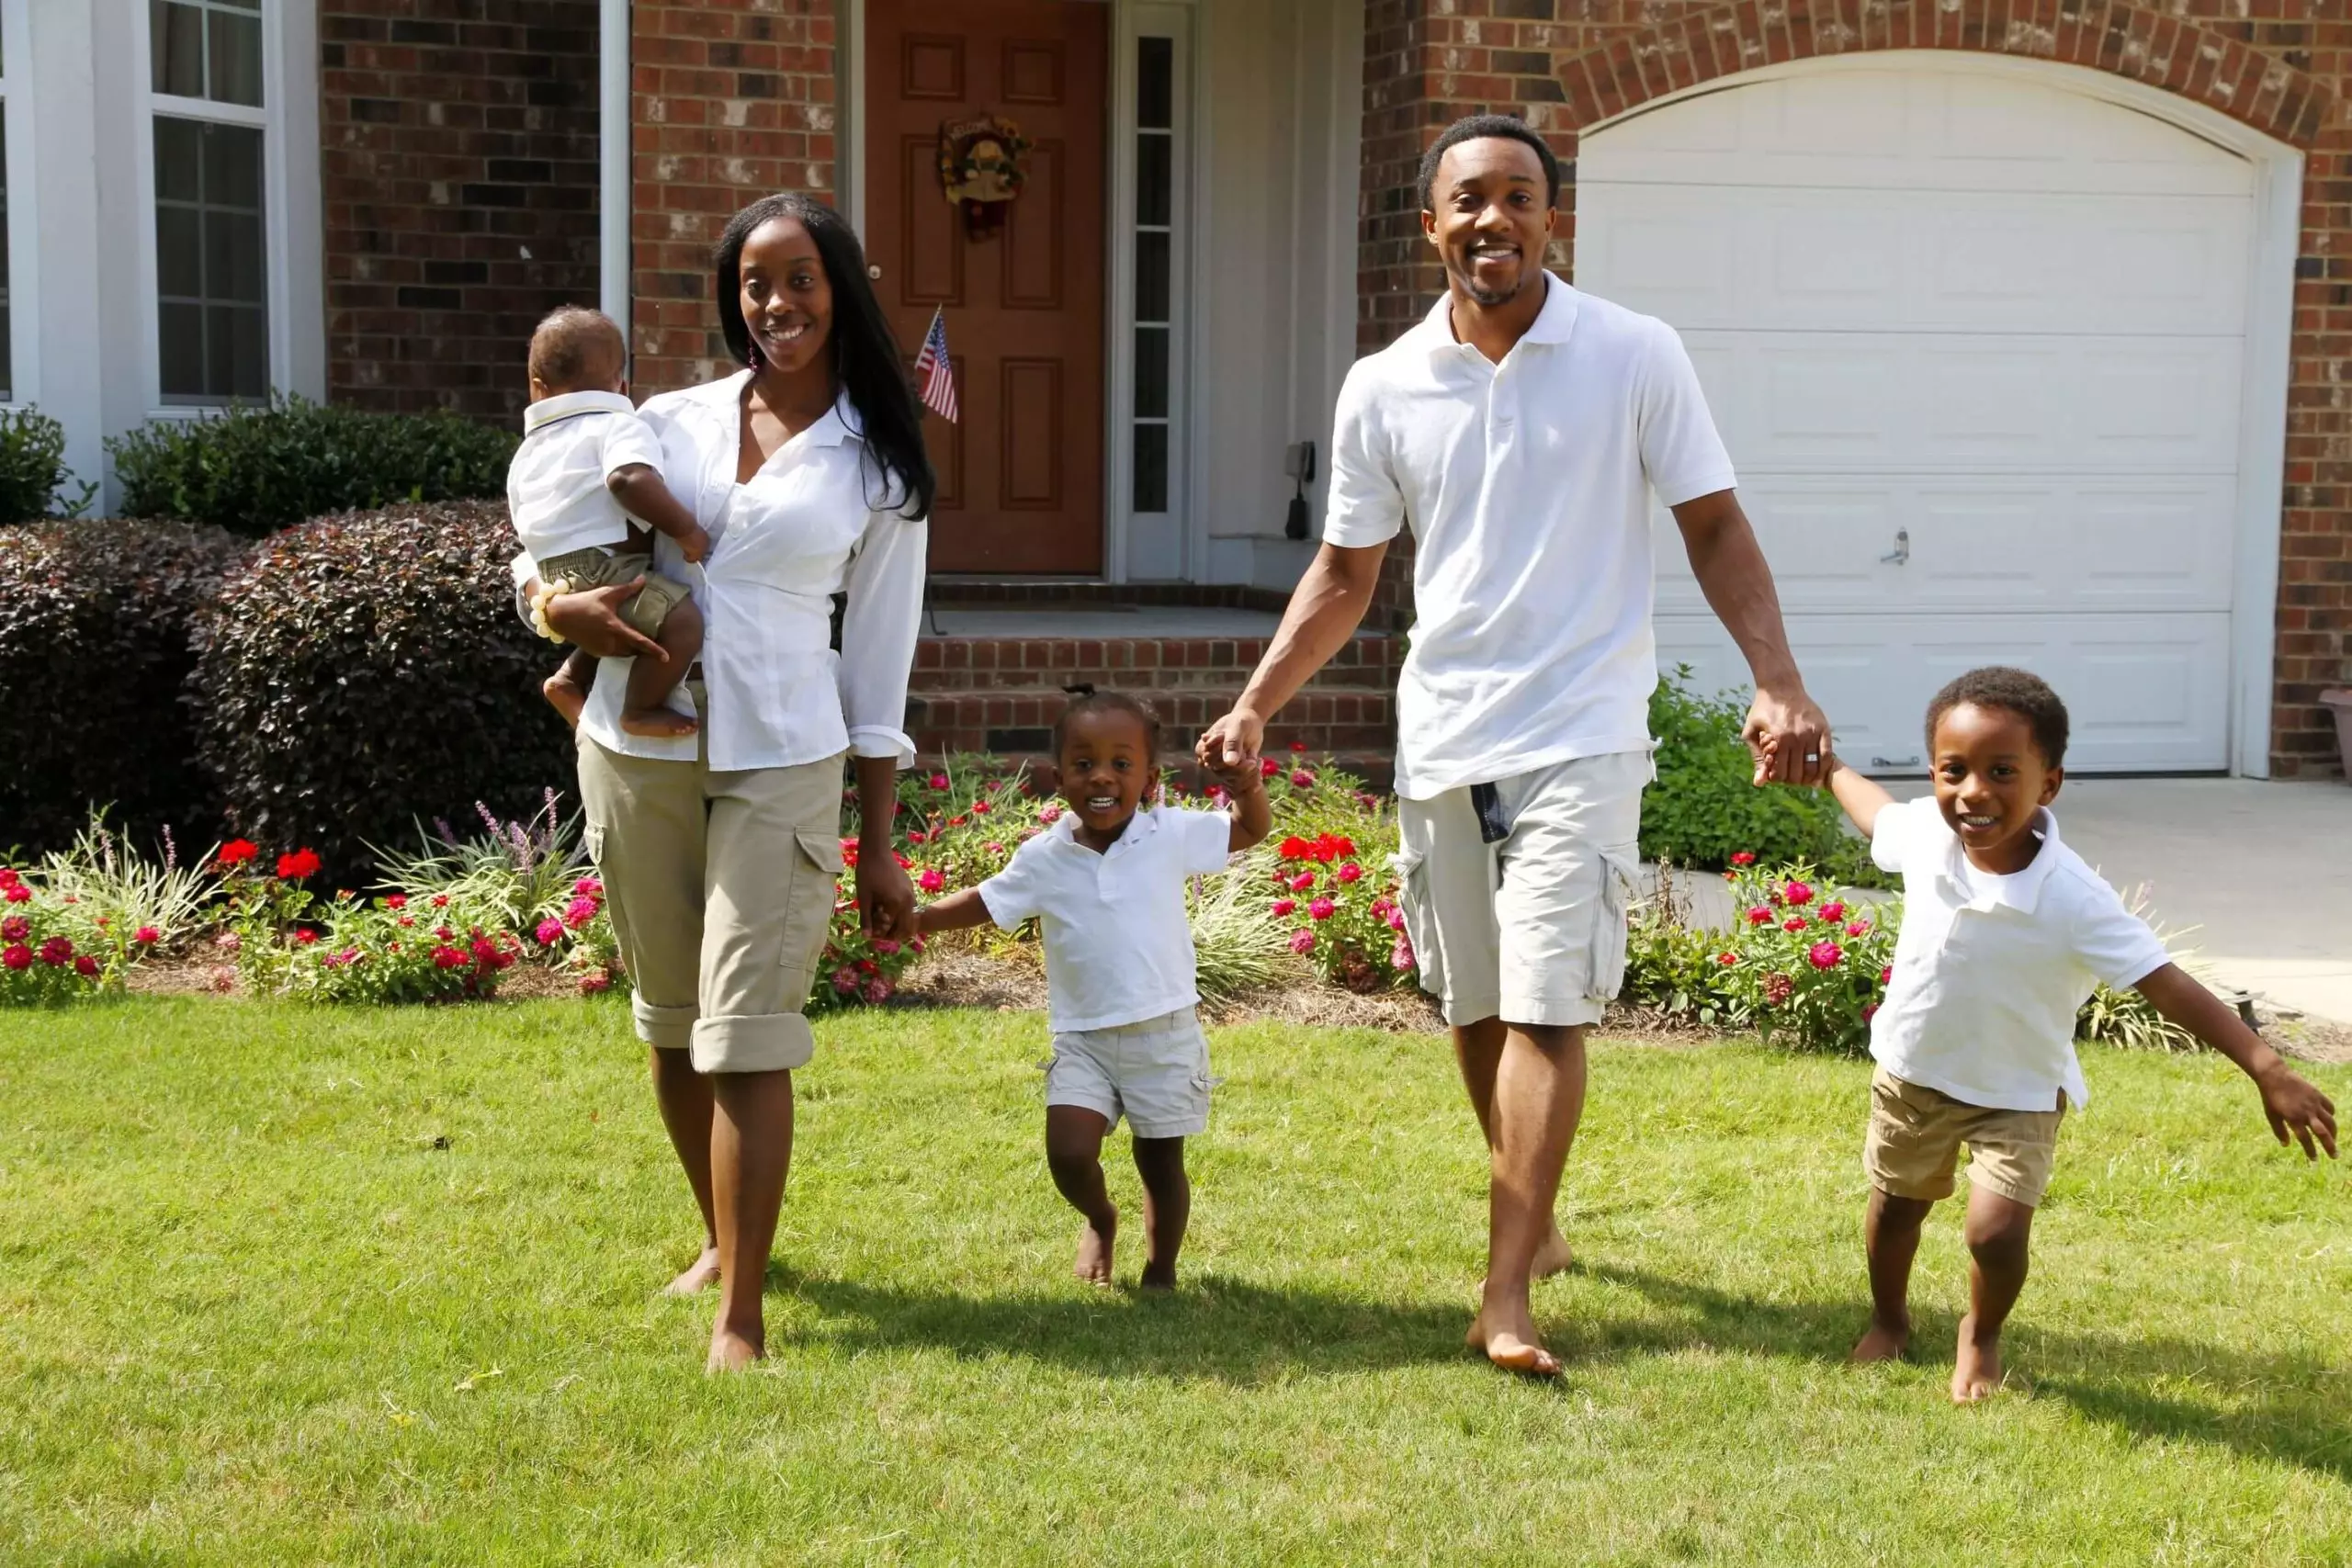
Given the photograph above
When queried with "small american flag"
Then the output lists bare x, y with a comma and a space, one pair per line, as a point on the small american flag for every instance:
931, 366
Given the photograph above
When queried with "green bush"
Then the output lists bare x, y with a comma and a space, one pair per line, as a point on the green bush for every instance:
32, 467
254, 471
364, 671
1704, 807
97, 639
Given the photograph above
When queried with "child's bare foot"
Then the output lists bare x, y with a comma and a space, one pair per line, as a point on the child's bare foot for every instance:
1512, 1345
1094, 1250
1882, 1342
699, 1276
661, 724
1976, 1374
731, 1352
566, 695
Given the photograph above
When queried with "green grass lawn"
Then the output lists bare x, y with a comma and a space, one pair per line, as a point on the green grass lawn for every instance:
281, 1285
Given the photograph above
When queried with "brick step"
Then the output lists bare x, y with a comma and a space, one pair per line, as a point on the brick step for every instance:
1019, 723
1145, 664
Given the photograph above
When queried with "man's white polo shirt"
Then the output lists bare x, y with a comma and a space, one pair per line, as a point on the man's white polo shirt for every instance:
1527, 487
1989, 971
554, 486
1118, 946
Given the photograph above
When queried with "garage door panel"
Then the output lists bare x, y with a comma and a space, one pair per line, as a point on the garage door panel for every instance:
1875, 129
2145, 692
1912, 260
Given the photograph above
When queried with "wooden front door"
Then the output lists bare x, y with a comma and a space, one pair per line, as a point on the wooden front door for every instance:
1021, 476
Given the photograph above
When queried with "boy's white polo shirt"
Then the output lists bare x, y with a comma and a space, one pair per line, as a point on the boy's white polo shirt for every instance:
1118, 945
554, 486
1527, 486
1990, 971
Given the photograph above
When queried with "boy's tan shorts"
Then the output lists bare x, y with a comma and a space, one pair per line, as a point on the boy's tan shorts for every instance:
1155, 1072
1915, 1134
595, 567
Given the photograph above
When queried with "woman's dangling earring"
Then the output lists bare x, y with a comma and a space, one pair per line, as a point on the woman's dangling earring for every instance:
751, 357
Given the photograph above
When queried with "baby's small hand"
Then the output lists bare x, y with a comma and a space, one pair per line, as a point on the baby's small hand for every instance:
694, 544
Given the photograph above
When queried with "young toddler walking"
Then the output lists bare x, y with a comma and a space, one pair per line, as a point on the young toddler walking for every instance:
588, 468
1107, 881
2004, 931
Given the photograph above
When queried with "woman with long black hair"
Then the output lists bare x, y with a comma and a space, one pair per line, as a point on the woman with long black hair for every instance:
718, 850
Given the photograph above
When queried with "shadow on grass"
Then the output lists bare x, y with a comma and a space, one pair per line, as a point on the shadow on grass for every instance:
2282, 1406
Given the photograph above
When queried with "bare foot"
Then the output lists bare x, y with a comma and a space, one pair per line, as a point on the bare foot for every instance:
1514, 1346
661, 724
1552, 1254
699, 1276
1095, 1251
566, 697
731, 1352
1976, 1374
1155, 1277
1881, 1343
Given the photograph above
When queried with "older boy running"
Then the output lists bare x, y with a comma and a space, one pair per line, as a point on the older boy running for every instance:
1518, 431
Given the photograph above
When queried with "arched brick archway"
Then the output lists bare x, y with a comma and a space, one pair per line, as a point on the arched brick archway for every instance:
1566, 66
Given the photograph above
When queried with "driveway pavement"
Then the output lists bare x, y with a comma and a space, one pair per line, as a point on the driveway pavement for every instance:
2262, 870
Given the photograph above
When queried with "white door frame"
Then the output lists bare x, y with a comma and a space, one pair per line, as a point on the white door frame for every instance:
2269, 328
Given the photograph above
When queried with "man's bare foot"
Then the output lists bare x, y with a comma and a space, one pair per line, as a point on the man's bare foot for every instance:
1155, 1277
659, 724
1094, 1250
1976, 1374
731, 1352
1514, 1346
565, 696
1552, 1255
699, 1276
1882, 1342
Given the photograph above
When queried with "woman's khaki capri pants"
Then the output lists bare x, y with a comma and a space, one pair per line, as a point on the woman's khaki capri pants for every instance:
720, 887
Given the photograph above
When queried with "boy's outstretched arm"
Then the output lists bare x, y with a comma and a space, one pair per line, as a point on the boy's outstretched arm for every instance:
1252, 813
1861, 798
958, 911
643, 496
2293, 1102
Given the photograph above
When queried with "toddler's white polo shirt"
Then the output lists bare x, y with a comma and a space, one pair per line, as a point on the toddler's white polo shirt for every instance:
1118, 946
554, 486
1990, 971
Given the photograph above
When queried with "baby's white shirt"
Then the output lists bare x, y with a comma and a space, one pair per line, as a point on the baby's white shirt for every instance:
554, 486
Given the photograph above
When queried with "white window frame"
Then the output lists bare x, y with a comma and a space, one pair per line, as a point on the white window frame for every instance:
292, 235
1174, 528
24, 231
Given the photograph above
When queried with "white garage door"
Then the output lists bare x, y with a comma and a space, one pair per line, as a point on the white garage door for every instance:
1974, 344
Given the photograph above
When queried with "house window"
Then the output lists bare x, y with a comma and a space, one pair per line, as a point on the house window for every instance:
1155, 240
209, 132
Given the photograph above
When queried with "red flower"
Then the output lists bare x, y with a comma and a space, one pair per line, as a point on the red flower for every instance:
931, 880
1283, 907
958, 821
1322, 908
1869, 1012
1833, 912
1351, 872
1743, 858
981, 808
1759, 916
590, 985
1298, 746
396, 901
86, 966
1302, 882
56, 951
1858, 927
1268, 767
1726, 959
1799, 894
18, 956
16, 928
8, 877
446, 957
1886, 974
1825, 955
147, 936
304, 936
939, 781
917, 835
867, 966
440, 900
298, 865
1302, 779
1778, 989
238, 851
1793, 923
444, 933
1293, 848
16, 892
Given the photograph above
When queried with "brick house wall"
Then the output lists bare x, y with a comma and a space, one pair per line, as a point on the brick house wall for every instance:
2282, 66
459, 162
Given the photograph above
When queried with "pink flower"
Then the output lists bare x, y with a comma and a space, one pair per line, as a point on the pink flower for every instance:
147, 936
877, 990
931, 880
886, 947
18, 956
1322, 910
1401, 956
1778, 989
1825, 955
16, 892
1351, 872
578, 912
994, 847
1302, 779
1831, 912
1799, 894
590, 985
225, 979
1302, 882
16, 928
228, 941
1886, 974
1301, 941
845, 980
549, 933
1050, 815
1858, 927
589, 887
917, 835
1284, 908
444, 933
939, 781
1759, 916
1395, 919
1743, 858
1869, 1012
396, 901
1793, 923
1726, 959
1268, 767
56, 951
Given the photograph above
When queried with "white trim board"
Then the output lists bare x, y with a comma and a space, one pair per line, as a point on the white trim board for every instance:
615, 138
2271, 270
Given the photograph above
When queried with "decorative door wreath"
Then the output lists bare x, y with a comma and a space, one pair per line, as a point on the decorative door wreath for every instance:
979, 168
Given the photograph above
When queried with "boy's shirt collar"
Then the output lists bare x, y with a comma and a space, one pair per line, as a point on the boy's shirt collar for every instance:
569, 405
1983, 891
1142, 824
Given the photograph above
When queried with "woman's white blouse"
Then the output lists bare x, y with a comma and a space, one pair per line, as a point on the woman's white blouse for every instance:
802, 529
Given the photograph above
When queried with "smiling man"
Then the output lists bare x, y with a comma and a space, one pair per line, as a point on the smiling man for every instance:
1519, 432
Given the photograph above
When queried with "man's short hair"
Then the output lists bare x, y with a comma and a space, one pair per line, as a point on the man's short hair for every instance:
572, 342
2012, 691
1478, 128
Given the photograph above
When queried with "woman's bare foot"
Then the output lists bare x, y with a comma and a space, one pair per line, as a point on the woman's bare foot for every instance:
699, 1276
1094, 1250
1976, 1374
564, 694
1514, 1346
731, 1352
1882, 1342
659, 724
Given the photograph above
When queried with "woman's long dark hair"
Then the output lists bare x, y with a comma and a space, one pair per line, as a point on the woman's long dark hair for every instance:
866, 360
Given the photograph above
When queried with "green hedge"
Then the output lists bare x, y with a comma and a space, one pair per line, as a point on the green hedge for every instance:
32, 468
255, 471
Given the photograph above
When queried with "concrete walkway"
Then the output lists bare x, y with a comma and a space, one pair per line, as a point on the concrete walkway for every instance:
2262, 870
